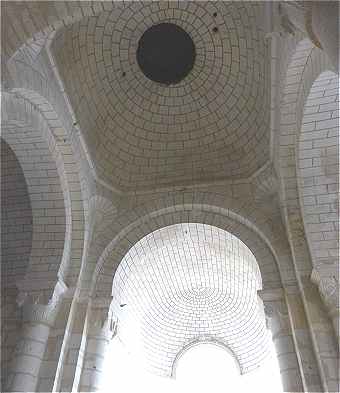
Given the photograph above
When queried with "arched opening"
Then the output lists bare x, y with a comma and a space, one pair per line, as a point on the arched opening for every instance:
28, 135
204, 366
179, 286
186, 282
210, 367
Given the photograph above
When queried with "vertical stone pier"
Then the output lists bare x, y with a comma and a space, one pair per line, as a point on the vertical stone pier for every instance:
29, 352
100, 330
279, 324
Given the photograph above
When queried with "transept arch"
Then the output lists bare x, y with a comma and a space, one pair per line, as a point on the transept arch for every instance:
23, 119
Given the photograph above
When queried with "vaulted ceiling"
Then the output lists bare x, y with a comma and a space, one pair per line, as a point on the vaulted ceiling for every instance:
213, 124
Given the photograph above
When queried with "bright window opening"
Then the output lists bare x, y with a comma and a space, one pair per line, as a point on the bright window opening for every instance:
202, 368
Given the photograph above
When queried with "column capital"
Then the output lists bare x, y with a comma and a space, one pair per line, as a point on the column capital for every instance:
40, 313
101, 321
34, 309
275, 310
329, 290
269, 295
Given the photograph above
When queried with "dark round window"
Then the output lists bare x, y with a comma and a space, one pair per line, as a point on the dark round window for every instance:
166, 53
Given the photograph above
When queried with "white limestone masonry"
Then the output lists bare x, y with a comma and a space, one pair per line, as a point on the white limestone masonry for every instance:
169, 215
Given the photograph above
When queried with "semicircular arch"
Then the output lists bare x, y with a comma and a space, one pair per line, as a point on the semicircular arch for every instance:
135, 228
318, 171
33, 131
306, 64
206, 340
193, 277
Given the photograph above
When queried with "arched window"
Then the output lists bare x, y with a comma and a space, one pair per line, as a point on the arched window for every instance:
208, 367
205, 367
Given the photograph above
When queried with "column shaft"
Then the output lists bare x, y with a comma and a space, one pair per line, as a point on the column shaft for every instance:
279, 324
29, 352
303, 343
99, 334
93, 363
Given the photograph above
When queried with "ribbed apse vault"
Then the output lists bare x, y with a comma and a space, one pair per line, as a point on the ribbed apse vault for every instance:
186, 283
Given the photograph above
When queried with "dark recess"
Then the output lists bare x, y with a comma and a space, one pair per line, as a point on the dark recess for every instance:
166, 53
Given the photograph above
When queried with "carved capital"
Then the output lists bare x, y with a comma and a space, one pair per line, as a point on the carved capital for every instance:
40, 313
101, 321
32, 303
275, 310
328, 287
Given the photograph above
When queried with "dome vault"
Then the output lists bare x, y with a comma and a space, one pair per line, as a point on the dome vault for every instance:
197, 112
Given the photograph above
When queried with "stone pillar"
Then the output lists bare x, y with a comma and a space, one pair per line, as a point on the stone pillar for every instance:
72, 350
29, 352
278, 322
310, 367
100, 330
